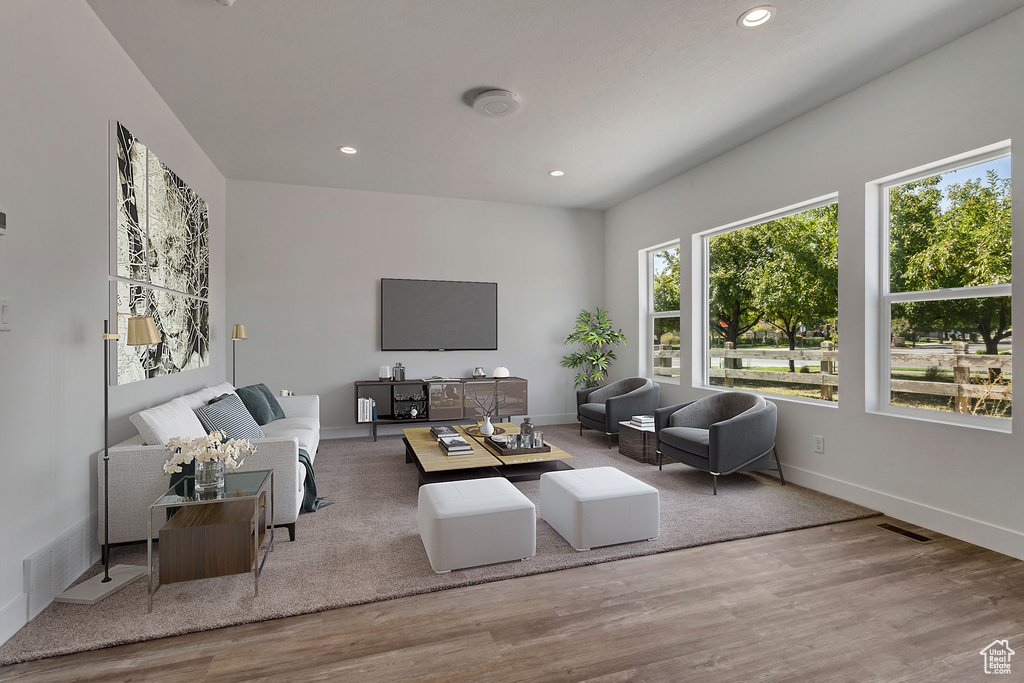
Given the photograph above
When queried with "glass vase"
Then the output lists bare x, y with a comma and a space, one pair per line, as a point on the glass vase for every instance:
209, 477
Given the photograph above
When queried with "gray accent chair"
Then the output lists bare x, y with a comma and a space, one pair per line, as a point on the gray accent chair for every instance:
602, 408
733, 431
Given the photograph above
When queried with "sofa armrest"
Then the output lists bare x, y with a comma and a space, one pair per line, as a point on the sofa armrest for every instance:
643, 401
582, 395
662, 415
740, 438
137, 479
301, 406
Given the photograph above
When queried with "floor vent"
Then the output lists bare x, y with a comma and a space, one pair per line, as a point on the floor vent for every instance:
53, 568
905, 532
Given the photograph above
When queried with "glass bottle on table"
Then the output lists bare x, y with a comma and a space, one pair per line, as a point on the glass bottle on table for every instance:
526, 431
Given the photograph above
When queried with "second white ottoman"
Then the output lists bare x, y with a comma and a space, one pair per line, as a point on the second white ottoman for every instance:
599, 506
475, 522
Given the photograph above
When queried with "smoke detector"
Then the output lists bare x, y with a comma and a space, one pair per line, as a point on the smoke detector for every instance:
496, 103
225, 3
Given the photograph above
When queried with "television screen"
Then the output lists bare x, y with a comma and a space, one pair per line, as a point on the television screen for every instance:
433, 315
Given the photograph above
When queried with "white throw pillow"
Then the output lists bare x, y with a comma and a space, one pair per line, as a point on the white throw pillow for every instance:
161, 423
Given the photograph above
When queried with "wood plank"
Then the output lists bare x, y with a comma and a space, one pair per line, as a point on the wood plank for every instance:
789, 377
1000, 393
776, 354
948, 360
845, 602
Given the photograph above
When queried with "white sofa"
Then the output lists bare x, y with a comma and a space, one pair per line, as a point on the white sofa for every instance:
136, 467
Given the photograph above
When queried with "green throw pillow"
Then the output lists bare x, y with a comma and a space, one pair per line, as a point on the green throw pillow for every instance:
256, 403
275, 406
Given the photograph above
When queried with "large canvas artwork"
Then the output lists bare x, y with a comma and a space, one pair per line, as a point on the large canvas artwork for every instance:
162, 263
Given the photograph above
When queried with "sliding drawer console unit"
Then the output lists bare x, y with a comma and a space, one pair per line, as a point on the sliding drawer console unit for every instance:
421, 400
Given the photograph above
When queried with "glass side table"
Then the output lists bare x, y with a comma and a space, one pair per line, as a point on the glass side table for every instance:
214, 535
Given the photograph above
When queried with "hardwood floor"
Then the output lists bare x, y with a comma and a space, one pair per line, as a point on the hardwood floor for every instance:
846, 602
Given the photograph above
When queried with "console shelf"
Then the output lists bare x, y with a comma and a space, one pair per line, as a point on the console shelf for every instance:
442, 400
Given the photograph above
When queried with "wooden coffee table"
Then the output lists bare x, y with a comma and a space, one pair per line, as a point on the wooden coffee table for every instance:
434, 466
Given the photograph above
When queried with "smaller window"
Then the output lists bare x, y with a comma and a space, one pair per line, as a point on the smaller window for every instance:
946, 329
661, 328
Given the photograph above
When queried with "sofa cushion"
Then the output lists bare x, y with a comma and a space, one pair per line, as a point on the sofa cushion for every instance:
689, 439
292, 428
275, 408
161, 423
198, 399
595, 411
256, 402
229, 415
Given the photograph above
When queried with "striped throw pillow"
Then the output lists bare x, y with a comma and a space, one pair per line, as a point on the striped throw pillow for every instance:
229, 415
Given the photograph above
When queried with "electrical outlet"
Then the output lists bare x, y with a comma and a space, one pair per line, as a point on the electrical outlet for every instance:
819, 443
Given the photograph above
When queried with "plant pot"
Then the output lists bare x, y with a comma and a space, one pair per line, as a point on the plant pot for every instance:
209, 477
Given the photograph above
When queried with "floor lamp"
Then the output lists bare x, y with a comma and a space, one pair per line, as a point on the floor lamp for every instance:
237, 333
141, 332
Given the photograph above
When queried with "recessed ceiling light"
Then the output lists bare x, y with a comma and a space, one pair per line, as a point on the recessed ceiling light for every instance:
556, 173
347, 150
756, 16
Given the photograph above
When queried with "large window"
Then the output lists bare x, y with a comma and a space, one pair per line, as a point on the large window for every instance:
660, 288
946, 333
769, 303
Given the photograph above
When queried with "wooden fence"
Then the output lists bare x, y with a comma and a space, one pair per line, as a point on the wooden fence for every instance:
960, 361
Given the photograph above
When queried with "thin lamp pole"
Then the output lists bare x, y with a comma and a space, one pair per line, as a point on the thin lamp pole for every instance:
106, 453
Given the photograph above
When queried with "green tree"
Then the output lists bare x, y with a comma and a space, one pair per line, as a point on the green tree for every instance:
734, 260
968, 246
797, 280
595, 333
666, 280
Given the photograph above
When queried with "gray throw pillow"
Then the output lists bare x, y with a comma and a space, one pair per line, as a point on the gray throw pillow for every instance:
275, 407
256, 401
229, 415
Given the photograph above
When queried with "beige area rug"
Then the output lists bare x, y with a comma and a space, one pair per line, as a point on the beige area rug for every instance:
366, 546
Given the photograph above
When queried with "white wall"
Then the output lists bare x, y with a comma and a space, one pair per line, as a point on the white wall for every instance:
64, 77
304, 276
962, 481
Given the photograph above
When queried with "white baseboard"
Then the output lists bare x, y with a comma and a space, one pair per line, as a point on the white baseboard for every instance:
13, 616
364, 430
978, 532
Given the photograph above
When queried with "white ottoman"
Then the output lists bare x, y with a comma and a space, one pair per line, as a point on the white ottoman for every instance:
474, 522
599, 506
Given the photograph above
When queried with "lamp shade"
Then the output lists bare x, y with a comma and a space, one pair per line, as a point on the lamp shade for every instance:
142, 331
238, 332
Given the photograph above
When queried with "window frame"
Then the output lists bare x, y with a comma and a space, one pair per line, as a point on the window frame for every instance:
880, 401
701, 292
648, 315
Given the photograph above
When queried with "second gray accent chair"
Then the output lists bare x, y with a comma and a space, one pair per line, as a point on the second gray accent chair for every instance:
603, 408
728, 432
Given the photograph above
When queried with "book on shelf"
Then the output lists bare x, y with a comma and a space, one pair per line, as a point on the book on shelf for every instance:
366, 409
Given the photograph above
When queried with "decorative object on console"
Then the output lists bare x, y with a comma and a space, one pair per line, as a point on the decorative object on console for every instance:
479, 372
384, 374
238, 333
501, 371
595, 334
141, 332
398, 374
212, 455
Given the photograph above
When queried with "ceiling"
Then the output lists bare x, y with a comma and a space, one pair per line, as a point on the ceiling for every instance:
620, 94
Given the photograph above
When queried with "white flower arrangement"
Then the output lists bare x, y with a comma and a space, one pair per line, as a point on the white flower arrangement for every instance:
213, 446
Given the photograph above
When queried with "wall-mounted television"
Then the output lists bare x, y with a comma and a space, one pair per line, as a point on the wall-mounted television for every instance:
438, 315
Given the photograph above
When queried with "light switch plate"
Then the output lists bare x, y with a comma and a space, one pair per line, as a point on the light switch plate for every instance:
5, 315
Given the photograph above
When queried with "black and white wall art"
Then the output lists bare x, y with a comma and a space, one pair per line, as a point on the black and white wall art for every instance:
160, 264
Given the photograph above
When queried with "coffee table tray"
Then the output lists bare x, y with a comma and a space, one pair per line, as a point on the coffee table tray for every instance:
503, 451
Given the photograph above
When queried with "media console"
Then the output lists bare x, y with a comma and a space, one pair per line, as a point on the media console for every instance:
440, 400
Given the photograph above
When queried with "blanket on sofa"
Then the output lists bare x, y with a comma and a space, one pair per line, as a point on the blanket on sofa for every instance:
310, 501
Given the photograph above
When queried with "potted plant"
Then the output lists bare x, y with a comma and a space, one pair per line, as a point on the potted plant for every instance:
595, 333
